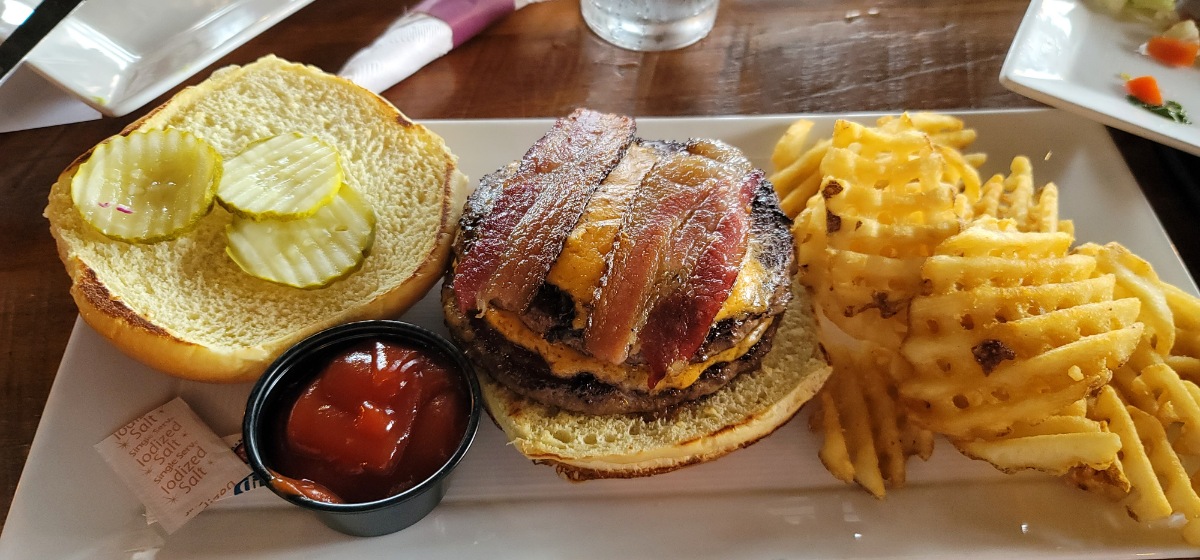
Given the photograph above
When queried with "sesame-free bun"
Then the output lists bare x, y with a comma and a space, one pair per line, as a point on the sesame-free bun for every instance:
753, 405
182, 306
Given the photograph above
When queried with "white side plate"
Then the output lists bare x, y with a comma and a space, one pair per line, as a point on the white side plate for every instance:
772, 500
118, 55
1071, 57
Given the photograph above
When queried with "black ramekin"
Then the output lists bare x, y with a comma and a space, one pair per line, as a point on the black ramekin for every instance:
282, 383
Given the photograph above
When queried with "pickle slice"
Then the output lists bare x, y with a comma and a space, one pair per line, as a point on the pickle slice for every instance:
283, 177
147, 186
308, 252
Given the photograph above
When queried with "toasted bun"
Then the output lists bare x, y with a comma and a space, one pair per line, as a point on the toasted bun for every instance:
754, 404
182, 306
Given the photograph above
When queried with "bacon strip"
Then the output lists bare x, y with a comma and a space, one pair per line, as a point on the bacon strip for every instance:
647, 246
537, 208
584, 258
682, 316
720, 151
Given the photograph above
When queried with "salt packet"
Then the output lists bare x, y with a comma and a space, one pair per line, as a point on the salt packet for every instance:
173, 463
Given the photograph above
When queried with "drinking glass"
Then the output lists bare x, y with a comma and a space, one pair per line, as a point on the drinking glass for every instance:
650, 25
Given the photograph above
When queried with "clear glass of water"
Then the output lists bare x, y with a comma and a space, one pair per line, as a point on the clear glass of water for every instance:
650, 25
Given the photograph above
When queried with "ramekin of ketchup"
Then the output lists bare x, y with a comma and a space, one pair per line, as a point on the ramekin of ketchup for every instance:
362, 423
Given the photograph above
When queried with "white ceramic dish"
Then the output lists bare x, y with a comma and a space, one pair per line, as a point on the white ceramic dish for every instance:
118, 55
772, 500
1069, 56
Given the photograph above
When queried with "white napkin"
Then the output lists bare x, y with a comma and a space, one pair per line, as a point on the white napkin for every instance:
28, 101
414, 40
422, 35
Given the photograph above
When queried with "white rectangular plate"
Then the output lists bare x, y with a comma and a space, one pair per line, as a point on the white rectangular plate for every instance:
772, 500
1067, 55
118, 55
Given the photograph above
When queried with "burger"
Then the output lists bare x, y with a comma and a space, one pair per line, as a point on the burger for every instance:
624, 301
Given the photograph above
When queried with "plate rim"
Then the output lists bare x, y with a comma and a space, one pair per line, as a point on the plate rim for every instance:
1033, 88
131, 101
40, 435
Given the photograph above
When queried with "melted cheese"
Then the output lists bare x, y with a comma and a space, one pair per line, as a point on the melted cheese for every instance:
578, 269
748, 294
581, 262
566, 362
580, 265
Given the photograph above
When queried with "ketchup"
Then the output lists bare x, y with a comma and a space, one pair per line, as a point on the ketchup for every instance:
379, 419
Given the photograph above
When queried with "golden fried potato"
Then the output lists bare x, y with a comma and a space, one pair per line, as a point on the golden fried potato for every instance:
1160, 427
1086, 445
1015, 198
879, 200
800, 172
857, 422
791, 145
989, 349
1173, 478
866, 439
1146, 501
834, 453
796, 176
812, 244
1065, 444
863, 238
1136, 278
955, 305
1186, 366
1184, 355
867, 296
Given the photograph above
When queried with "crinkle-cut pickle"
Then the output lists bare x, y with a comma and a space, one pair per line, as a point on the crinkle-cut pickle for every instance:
308, 252
147, 186
284, 177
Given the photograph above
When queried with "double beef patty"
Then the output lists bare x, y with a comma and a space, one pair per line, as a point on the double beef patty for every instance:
526, 373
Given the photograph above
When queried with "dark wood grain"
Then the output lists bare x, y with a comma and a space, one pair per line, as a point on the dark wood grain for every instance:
762, 57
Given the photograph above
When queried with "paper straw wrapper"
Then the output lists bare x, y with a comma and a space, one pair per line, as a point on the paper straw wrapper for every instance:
422, 35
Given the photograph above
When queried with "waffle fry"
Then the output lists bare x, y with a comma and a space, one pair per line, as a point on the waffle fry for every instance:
866, 438
953, 306
1184, 355
1155, 411
1184, 305
799, 172
990, 348
1057, 445
835, 452
855, 440
1015, 198
1151, 380
1148, 502
790, 146
800, 180
882, 208
1173, 479
1186, 366
1135, 278
1164, 412
886, 199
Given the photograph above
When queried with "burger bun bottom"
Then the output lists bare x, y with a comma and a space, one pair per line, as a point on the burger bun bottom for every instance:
752, 406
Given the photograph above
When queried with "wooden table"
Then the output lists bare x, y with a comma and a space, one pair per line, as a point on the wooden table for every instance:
763, 56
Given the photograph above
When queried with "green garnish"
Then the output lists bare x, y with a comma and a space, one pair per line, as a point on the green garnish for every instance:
1168, 110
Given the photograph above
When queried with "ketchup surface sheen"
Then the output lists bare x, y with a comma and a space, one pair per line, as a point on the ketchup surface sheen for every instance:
378, 420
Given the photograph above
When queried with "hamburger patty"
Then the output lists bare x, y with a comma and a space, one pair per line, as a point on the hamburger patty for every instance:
551, 313
526, 373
